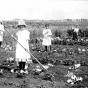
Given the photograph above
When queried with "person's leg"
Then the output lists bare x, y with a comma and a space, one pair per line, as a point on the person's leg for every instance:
50, 48
0, 43
27, 64
28, 61
26, 68
23, 65
75, 37
20, 65
45, 48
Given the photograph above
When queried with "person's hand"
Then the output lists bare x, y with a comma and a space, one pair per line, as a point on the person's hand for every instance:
46, 33
27, 40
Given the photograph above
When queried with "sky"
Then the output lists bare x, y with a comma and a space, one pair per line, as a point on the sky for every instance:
43, 9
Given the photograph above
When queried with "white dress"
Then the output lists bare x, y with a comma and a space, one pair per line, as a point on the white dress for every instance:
76, 30
47, 37
21, 54
1, 32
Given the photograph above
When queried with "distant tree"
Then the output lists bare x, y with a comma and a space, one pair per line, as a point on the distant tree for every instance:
69, 19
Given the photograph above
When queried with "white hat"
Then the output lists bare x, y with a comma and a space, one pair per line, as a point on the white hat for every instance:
21, 22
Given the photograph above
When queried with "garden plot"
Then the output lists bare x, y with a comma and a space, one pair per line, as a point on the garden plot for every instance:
59, 69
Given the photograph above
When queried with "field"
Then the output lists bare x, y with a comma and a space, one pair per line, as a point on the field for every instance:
62, 57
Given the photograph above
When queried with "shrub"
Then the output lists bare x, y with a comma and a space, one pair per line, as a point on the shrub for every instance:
57, 33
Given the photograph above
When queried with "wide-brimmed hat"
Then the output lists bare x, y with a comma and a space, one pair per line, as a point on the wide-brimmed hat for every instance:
21, 23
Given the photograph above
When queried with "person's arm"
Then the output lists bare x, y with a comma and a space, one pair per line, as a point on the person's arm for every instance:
16, 35
46, 33
1, 29
28, 36
49, 33
43, 32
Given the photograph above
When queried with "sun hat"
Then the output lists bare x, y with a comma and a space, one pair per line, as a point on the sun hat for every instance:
21, 23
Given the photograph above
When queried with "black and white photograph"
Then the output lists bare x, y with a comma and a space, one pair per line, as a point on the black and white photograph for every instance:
43, 44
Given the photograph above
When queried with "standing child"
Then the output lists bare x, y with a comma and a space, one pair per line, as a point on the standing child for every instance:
22, 57
47, 37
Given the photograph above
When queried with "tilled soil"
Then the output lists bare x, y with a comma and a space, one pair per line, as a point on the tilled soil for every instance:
44, 79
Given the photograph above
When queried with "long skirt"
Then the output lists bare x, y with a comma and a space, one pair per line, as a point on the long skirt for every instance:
47, 41
21, 54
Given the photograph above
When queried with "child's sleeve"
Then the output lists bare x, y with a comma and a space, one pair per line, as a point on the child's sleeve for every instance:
17, 34
50, 33
28, 35
43, 32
